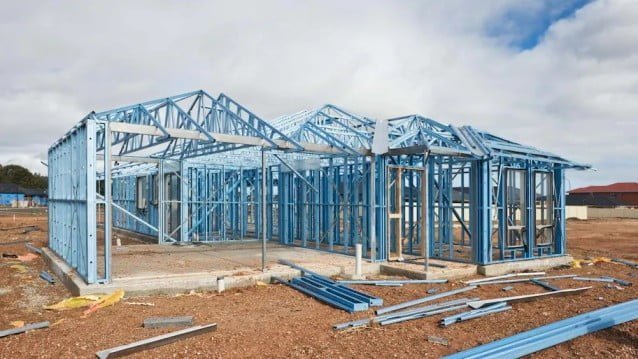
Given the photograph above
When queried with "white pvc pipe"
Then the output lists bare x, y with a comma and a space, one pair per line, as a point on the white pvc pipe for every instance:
357, 268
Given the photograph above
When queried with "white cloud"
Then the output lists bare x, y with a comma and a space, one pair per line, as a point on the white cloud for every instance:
574, 94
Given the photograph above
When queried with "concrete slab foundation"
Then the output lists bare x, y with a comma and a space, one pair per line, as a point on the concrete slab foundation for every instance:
523, 265
166, 269
147, 269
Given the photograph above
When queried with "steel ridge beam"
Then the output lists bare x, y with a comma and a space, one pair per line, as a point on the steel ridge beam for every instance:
221, 137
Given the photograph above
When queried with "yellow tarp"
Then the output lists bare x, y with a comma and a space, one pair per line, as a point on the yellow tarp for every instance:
578, 263
75, 302
105, 301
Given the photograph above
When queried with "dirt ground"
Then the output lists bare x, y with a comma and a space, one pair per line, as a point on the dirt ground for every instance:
278, 322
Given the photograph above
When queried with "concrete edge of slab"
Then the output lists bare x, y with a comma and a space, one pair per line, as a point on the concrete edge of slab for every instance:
63, 271
170, 284
522, 265
450, 273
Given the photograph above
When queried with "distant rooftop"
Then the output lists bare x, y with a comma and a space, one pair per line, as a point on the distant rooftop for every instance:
14, 188
612, 188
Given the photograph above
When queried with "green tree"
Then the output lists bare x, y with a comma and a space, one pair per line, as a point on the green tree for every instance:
22, 177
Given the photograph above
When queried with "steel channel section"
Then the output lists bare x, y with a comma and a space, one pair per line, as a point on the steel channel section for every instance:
422, 300
558, 332
332, 292
421, 315
426, 309
408, 313
475, 313
371, 300
324, 297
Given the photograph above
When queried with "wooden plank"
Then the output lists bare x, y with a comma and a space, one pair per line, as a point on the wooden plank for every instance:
155, 341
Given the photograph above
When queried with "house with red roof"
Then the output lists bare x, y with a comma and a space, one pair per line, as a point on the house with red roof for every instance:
616, 194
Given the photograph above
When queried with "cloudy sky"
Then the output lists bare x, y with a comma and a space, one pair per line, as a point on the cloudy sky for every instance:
559, 75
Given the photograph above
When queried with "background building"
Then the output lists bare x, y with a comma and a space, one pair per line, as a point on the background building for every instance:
613, 195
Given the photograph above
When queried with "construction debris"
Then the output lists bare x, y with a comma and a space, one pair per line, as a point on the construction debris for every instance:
35, 228
27, 257
74, 302
9, 255
592, 279
46, 276
525, 279
332, 293
155, 341
162, 322
476, 313
524, 298
144, 304
23, 329
19, 267
105, 302
578, 263
619, 281
489, 279
432, 290
507, 288
438, 340
625, 262
412, 303
401, 317
33, 248
545, 285
17, 324
329, 291
408, 314
393, 282
549, 335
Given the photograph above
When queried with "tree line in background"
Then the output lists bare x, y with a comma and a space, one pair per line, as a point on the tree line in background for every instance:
22, 177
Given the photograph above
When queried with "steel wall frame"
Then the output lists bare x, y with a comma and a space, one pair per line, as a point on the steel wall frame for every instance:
72, 200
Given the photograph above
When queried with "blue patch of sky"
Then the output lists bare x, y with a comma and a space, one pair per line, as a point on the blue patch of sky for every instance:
524, 25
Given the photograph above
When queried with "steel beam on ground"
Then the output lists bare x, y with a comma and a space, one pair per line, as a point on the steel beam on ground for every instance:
523, 298
522, 280
489, 279
412, 303
390, 281
155, 341
27, 327
549, 335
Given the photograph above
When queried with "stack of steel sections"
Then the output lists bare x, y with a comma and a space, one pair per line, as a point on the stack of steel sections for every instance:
476, 313
352, 300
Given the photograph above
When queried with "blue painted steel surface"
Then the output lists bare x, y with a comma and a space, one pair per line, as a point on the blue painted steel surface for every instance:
7, 199
332, 293
200, 159
549, 335
72, 226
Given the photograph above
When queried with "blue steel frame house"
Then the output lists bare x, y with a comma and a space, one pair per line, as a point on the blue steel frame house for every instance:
10, 193
197, 168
